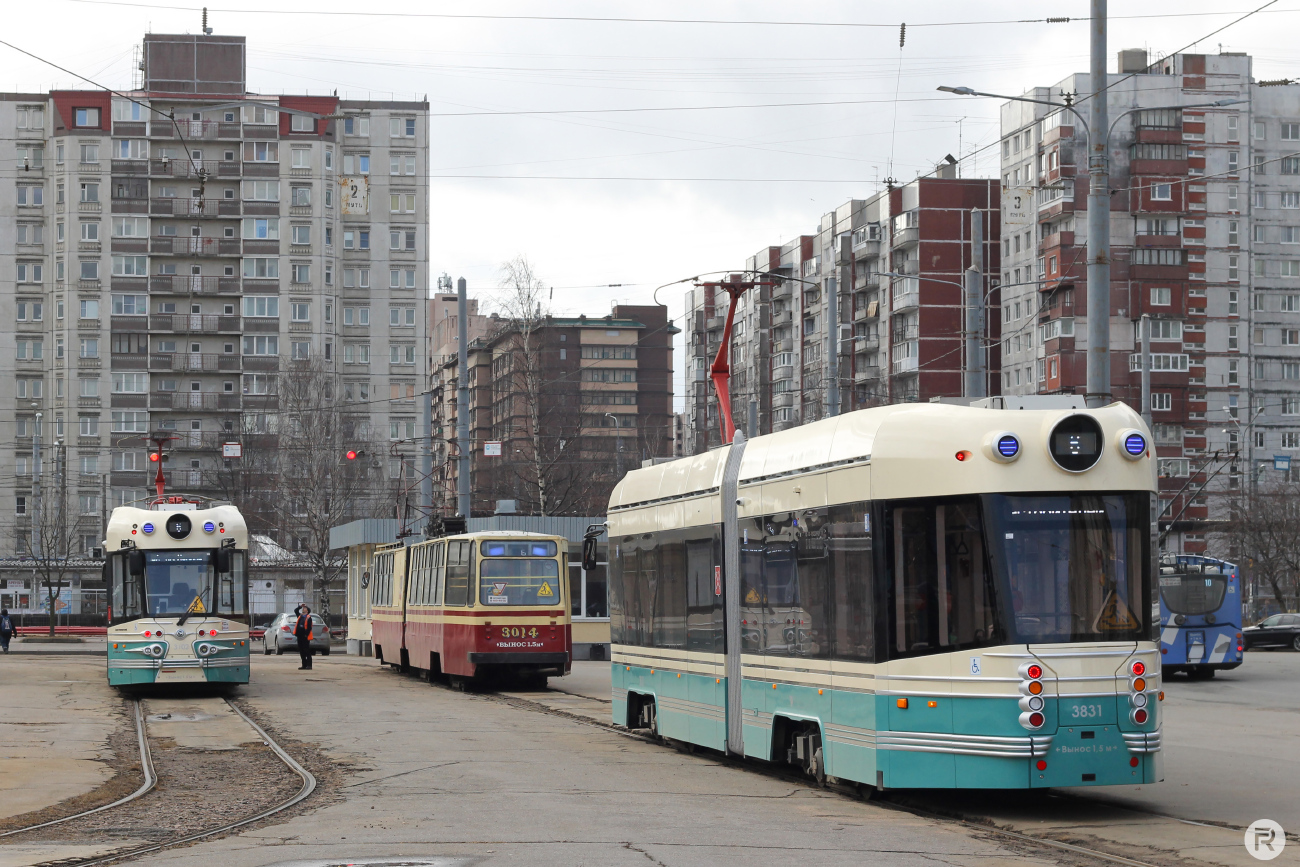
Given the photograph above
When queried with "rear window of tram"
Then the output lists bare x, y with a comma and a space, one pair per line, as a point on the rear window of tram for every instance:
519, 582
518, 549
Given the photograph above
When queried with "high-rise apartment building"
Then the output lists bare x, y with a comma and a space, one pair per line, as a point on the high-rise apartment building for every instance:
894, 264
560, 408
1205, 235
176, 252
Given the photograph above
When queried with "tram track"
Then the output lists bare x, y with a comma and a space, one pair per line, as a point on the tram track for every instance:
885, 800
152, 778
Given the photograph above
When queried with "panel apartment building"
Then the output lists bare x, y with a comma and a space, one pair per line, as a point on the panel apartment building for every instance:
896, 338
173, 253
1205, 234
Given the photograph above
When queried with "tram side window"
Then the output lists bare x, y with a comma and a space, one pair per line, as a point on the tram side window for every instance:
703, 606
784, 567
941, 594
619, 576
418, 557
381, 592
852, 590
126, 590
437, 572
669, 613
458, 564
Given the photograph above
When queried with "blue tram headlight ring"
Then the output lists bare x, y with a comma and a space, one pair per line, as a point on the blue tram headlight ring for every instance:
1132, 444
1003, 446
147, 528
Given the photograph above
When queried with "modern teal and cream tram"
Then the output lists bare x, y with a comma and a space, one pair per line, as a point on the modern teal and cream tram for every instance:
178, 594
912, 596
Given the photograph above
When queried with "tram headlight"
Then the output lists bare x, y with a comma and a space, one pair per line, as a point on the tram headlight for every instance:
1031, 702
155, 650
1002, 446
1132, 444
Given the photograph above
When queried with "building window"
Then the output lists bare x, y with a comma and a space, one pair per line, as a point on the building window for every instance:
301, 350
356, 125
86, 117
262, 228
130, 422
300, 311
263, 268
1162, 402
301, 273
262, 191
261, 345
399, 354
261, 305
300, 197
261, 151
1161, 296
1162, 192
302, 123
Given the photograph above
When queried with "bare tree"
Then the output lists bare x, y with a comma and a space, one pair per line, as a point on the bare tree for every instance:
295, 480
55, 532
1264, 532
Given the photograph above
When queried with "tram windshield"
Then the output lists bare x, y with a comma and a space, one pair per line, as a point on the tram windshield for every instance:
174, 580
1192, 593
523, 581
1074, 565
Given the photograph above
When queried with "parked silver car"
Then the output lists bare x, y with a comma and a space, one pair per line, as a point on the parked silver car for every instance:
279, 635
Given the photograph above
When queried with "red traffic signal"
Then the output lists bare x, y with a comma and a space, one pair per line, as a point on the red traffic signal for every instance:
155, 457
352, 455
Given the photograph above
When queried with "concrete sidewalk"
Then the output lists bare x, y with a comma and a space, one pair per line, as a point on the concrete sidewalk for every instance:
95, 644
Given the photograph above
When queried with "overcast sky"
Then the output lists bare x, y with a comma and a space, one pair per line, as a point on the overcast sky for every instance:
662, 208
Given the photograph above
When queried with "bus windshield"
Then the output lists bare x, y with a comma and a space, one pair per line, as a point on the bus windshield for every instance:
531, 581
1074, 565
1192, 593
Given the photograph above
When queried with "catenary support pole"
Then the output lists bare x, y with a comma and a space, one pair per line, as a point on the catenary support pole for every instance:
426, 457
832, 304
1146, 368
36, 548
976, 373
464, 449
1098, 387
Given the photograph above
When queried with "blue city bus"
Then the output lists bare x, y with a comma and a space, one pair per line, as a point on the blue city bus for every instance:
1200, 615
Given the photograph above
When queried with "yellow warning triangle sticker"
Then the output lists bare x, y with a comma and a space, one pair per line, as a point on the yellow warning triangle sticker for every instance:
751, 596
196, 607
1115, 615
545, 590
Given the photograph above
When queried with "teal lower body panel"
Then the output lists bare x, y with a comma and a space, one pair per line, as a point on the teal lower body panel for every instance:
934, 742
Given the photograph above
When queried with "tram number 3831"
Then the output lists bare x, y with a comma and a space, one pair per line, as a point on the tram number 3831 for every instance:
518, 632
1085, 711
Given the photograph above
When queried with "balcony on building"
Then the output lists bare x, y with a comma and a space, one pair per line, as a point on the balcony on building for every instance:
208, 401
195, 323
1055, 199
906, 293
192, 284
192, 246
200, 130
197, 362
186, 206
1164, 159
1158, 262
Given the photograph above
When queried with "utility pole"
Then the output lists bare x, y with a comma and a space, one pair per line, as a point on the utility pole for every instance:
36, 547
426, 458
976, 376
462, 403
753, 418
618, 445
1098, 388
832, 305
1146, 368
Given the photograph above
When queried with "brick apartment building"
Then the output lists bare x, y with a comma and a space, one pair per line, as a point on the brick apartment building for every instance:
557, 407
896, 338
1205, 213
173, 254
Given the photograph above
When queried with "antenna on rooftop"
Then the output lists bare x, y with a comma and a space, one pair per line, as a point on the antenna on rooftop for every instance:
207, 31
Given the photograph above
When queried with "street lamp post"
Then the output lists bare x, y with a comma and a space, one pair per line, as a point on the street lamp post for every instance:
618, 445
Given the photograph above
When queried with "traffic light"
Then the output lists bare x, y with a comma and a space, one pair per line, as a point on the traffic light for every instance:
351, 455
155, 456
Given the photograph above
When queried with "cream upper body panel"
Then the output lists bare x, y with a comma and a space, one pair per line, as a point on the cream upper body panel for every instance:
891, 452
124, 519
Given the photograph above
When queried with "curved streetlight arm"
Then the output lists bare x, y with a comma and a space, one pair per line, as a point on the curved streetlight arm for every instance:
967, 91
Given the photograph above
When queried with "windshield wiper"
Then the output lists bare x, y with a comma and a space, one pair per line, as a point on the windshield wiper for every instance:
186, 615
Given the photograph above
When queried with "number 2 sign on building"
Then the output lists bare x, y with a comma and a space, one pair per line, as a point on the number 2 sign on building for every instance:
354, 195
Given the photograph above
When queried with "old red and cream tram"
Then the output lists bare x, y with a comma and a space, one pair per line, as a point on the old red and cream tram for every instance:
485, 605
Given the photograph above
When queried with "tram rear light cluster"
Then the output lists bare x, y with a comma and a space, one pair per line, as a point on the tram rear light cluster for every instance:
1031, 691
1041, 765
1137, 696
963, 455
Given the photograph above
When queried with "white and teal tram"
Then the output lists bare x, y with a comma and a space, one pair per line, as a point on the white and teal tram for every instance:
178, 594
912, 596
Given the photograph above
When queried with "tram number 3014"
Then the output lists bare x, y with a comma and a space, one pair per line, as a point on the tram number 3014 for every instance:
1085, 711
518, 632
